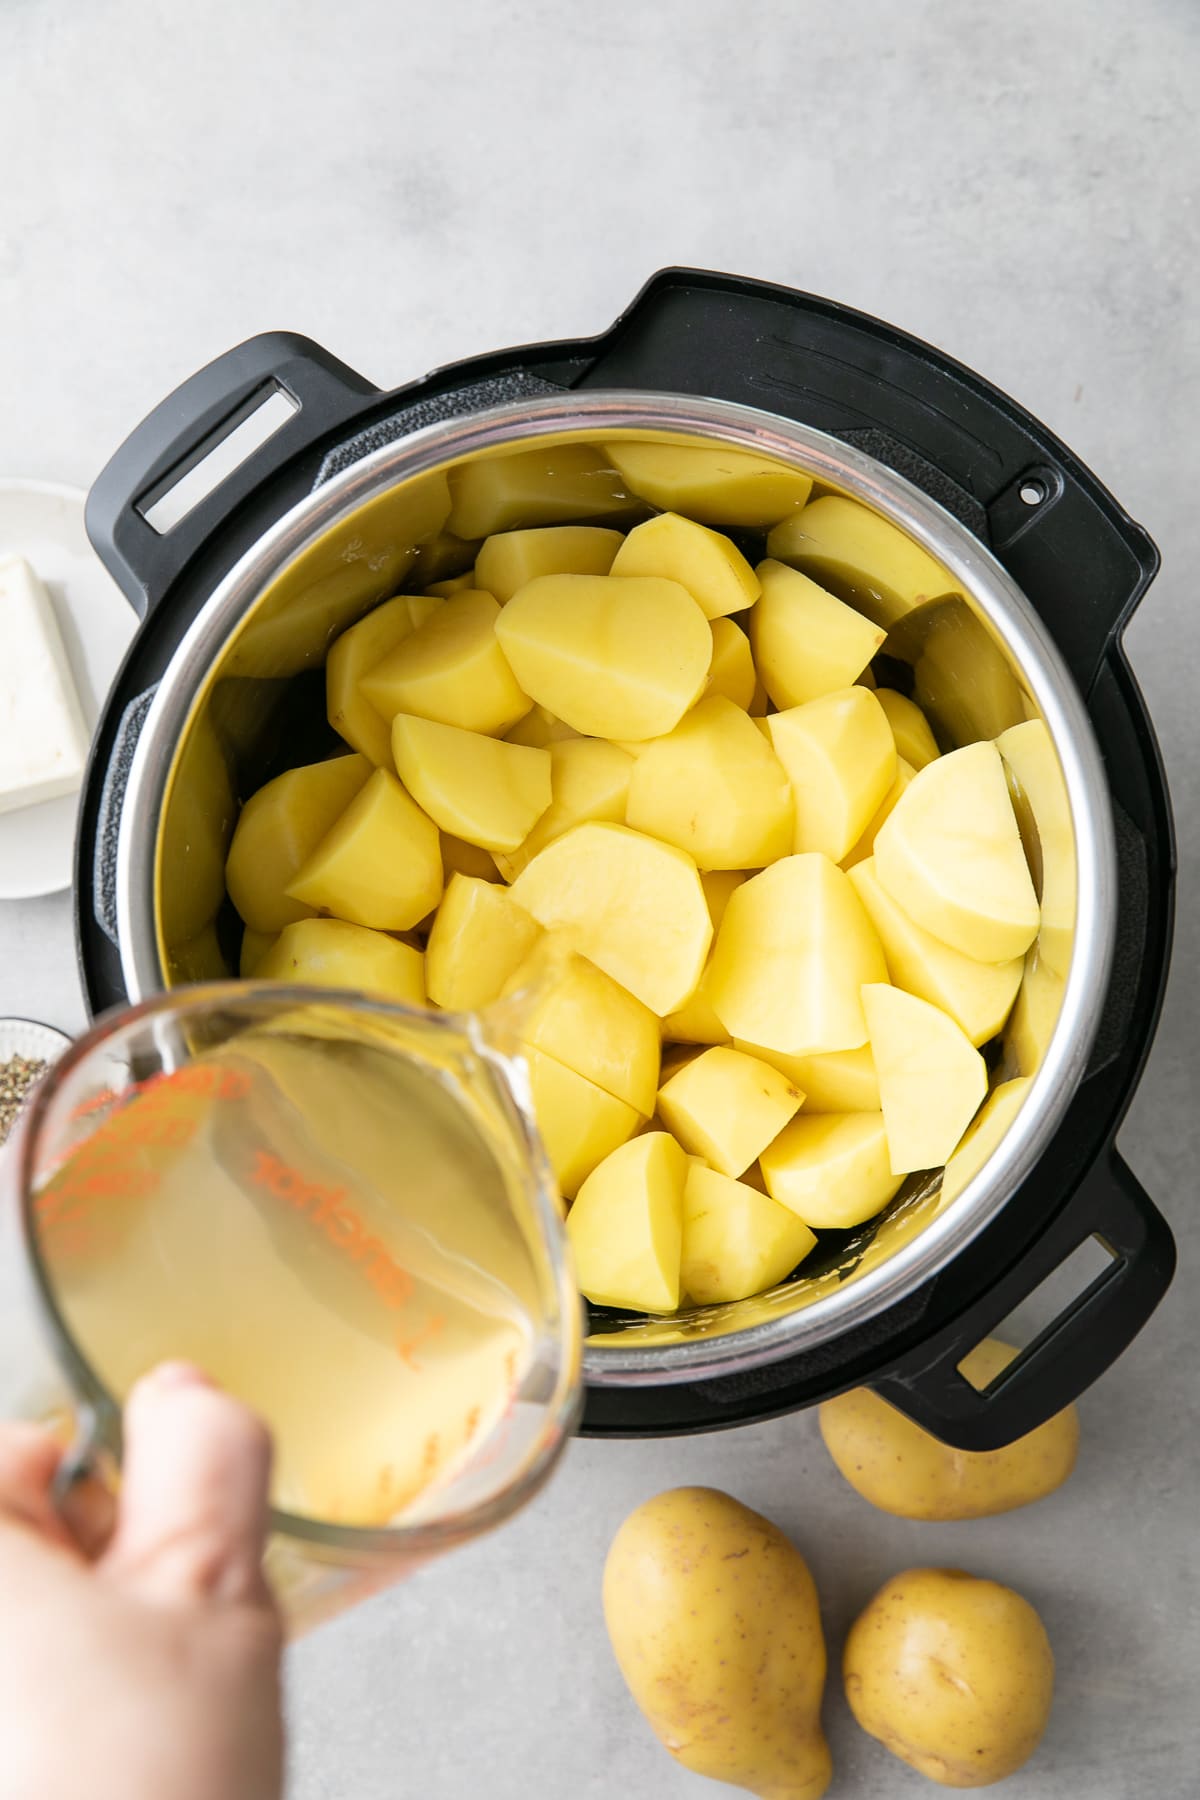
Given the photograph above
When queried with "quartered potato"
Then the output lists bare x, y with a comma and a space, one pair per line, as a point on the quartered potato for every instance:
831, 1169
1028, 751
585, 1020
991, 1123
555, 484
726, 1107
839, 1081
379, 865
354, 655
731, 671
478, 938
481, 789
712, 484
866, 559
714, 787
840, 758
709, 565
1034, 1014
615, 658
626, 1226
915, 742
806, 642
580, 1124
932, 1080
511, 558
330, 953
736, 1241
452, 670
866, 844
278, 829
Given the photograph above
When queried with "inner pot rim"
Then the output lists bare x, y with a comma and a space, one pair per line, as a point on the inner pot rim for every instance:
985, 583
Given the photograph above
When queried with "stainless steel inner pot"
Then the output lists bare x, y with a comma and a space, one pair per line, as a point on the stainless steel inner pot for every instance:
232, 708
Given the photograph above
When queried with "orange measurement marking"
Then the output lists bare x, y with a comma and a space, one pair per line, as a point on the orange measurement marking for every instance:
408, 1346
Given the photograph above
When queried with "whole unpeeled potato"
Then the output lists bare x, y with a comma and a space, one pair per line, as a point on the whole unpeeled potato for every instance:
901, 1469
713, 1617
953, 1674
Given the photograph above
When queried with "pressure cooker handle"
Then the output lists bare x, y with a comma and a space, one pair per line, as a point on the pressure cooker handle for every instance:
324, 395
1074, 1350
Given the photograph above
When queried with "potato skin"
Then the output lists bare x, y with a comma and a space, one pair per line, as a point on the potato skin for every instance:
902, 1470
714, 1621
953, 1674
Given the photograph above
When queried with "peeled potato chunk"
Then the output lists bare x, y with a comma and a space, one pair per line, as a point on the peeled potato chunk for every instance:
551, 485
589, 780
736, 1241
867, 559
715, 485
932, 1080
330, 953
714, 788
791, 957
841, 1081
840, 758
379, 865
479, 788
586, 1020
579, 1123
950, 855
511, 558
707, 564
626, 1226
1029, 752
731, 671
635, 906
278, 829
613, 657
1035, 1014
726, 1107
354, 655
478, 938
915, 742
451, 669
991, 1122
866, 844
831, 1169
978, 996
806, 642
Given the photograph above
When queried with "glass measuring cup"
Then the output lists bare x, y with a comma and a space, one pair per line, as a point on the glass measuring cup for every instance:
341, 1210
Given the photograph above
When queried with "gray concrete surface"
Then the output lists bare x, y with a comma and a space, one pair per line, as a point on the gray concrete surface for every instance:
412, 183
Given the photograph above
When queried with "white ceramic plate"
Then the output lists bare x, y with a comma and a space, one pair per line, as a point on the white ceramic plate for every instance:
43, 522
37, 1043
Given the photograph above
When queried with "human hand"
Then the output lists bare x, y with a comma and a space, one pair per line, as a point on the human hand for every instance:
152, 1671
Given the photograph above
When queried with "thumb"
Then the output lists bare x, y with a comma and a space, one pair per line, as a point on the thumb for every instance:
193, 1511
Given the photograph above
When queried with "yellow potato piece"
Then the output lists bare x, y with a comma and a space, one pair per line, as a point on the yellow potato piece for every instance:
277, 831
255, 945
626, 1226
695, 1022
578, 1122
615, 658
736, 1241
441, 558
714, 788
457, 584
806, 642
915, 742
831, 1169
867, 560
479, 937
539, 729
589, 780
840, 758
461, 858
478, 788
716, 485
1029, 752
841, 1081
354, 655
1034, 1015
379, 865
905, 1471
791, 957
978, 996
584, 1019
727, 1107
953, 1674
636, 907
950, 855
731, 671
993, 1120
331, 953
962, 677
556, 484
511, 558
452, 670
866, 844
709, 565
932, 1080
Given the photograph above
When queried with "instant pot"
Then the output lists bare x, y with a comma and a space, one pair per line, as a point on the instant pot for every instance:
360, 492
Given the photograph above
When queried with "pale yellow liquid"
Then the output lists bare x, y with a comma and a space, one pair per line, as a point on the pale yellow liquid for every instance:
330, 1237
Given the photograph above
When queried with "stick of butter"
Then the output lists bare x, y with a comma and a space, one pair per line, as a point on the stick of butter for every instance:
43, 739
